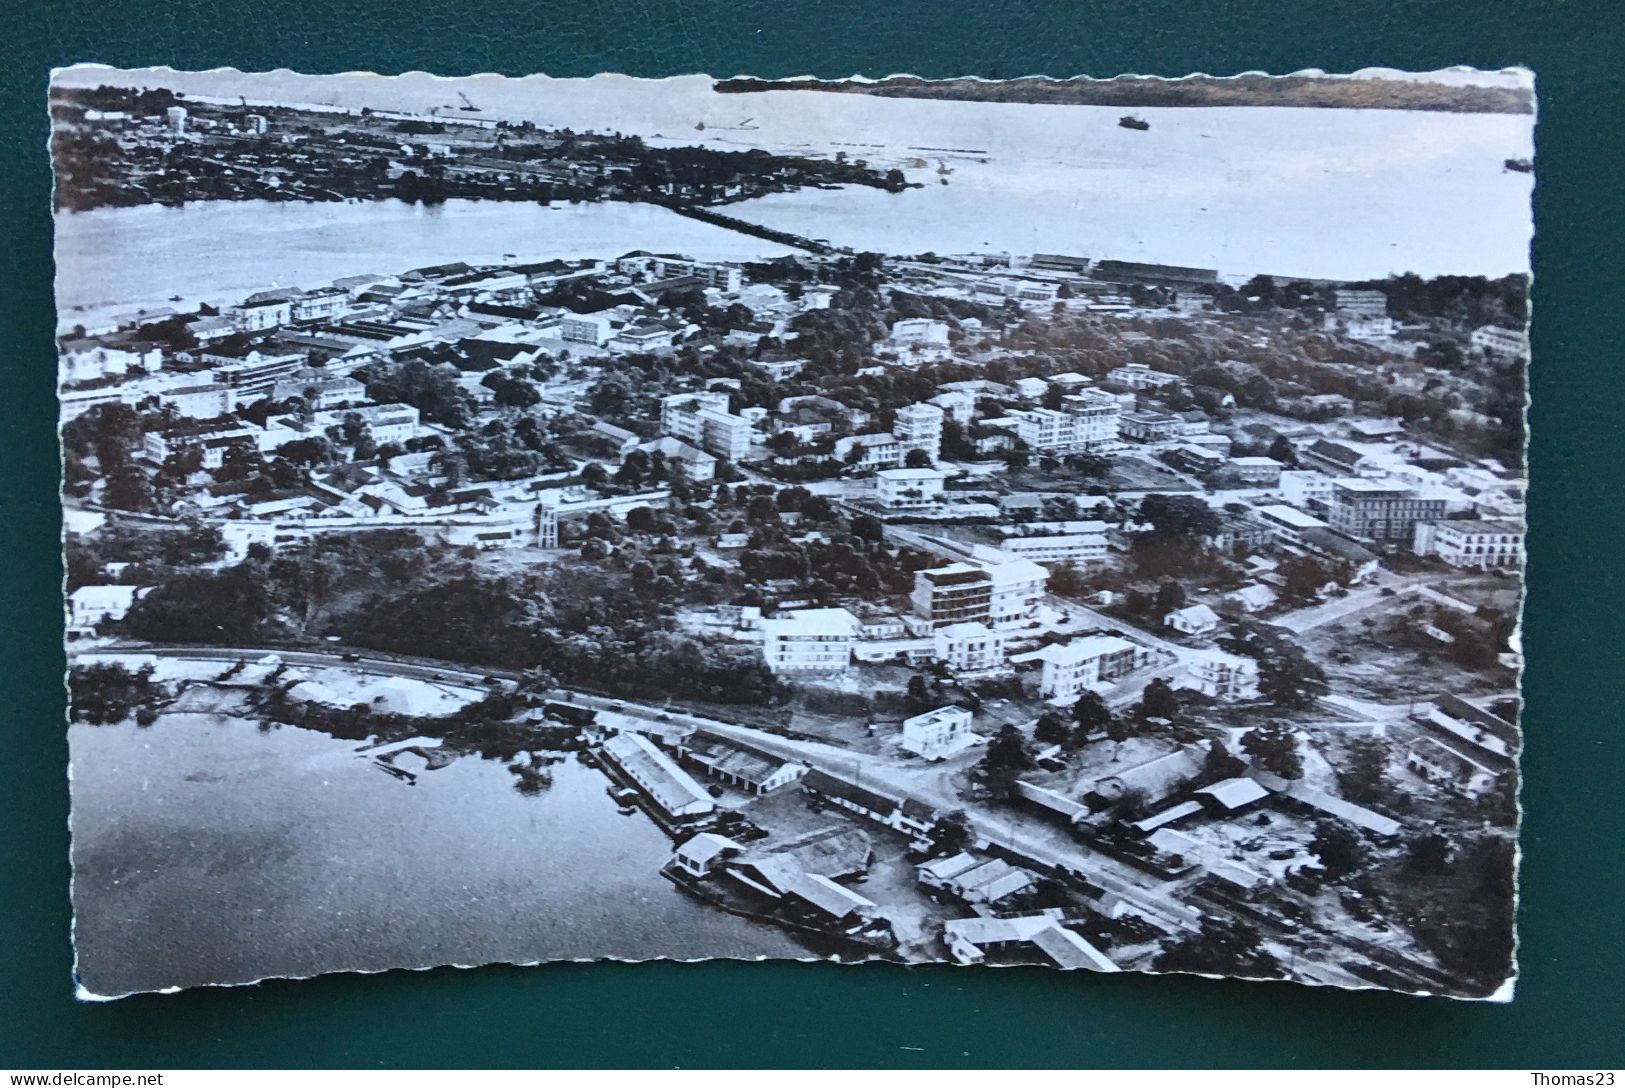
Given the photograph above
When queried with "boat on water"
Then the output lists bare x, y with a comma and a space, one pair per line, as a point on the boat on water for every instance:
1519, 166
1138, 124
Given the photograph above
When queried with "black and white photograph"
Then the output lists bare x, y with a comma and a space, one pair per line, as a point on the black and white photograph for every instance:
1073, 523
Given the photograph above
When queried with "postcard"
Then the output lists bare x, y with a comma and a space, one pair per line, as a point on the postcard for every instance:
1052, 521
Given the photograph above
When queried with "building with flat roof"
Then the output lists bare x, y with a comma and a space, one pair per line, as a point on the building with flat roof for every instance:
1083, 664
955, 593
1139, 377
1480, 545
968, 647
919, 427
703, 420
1287, 523
869, 451
809, 640
1085, 421
1223, 676
900, 488
256, 373
1500, 342
1084, 545
1149, 426
1379, 510
939, 733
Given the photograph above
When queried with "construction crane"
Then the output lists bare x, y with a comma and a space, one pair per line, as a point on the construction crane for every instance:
468, 107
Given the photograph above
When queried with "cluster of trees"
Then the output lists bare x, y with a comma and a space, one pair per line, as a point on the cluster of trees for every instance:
1286, 675
558, 621
1221, 947
1007, 758
1178, 528
1088, 718
107, 694
501, 450
154, 554
295, 593
432, 390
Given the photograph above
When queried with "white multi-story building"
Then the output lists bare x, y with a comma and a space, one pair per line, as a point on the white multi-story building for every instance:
1477, 544
1018, 585
918, 340
960, 405
703, 420
255, 373
209, 401
919, 427
939, 733
1084, 542
387, 422
1138, 376
969, 647
722, 277
1362, 303
594, 329
212, 443
1377, 510
1085, 421
1003, 592
1287, 523
319, 391
321, 305
89, 606
811, 640
93, 361
1307, 489
1501, 342
1072, 668
266, 310
1222, 675
875, 450
899, 488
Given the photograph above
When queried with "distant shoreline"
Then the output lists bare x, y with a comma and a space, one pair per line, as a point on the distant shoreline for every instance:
1321, 92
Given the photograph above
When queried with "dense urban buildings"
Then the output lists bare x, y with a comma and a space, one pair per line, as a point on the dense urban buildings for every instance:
985, 607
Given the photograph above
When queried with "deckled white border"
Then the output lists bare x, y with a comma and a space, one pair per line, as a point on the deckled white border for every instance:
1519, 78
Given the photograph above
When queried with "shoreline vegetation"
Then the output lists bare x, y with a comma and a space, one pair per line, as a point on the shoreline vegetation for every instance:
1312, 91
120, 147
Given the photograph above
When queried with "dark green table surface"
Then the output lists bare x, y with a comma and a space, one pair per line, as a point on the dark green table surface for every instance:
1568, 1010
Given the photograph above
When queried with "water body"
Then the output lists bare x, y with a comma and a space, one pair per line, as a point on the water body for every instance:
206, 851
115, 260
1322, 193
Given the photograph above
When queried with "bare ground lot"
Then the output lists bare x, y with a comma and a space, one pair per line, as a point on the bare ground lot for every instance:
1388, 660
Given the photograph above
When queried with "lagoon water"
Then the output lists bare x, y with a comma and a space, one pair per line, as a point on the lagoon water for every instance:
115, 260
1330, 193
208, 851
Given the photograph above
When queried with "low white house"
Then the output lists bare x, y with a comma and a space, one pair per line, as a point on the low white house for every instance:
1253, 598
1071, 668
1224, 676
704, 852
899, 488
1436, 762
939, 733
1196, 619
89, 606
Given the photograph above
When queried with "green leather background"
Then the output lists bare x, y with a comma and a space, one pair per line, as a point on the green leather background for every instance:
1568, 1010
